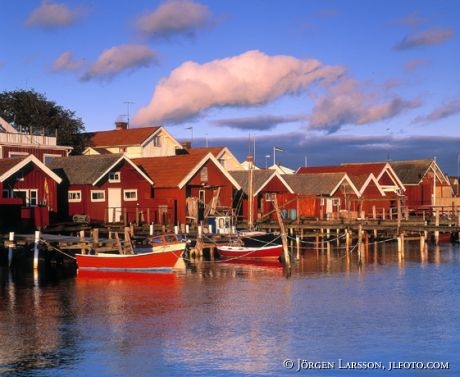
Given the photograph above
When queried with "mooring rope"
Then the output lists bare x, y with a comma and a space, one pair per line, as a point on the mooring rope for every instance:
56, 249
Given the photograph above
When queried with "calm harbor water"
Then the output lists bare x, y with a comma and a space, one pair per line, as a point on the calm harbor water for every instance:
330, 315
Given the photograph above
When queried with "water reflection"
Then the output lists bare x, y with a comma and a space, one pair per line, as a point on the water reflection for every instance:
234, 318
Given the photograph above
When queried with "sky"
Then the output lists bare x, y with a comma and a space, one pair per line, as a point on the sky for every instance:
324, 82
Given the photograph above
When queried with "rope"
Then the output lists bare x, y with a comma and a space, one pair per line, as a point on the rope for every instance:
56, 249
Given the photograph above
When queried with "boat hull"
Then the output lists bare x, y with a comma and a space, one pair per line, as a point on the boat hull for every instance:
157, 260
242, 252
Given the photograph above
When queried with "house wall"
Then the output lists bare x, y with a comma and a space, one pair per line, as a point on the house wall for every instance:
100, 211
37, 190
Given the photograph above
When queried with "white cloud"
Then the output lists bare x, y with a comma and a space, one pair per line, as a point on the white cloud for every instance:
445, 110
174, 17
346, 103
120, 58
428, 37
250, 79
51, 14
66, 62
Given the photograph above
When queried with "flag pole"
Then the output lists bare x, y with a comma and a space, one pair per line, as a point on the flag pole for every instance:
274, 159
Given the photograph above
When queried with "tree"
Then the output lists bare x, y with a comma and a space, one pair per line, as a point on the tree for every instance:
30, 112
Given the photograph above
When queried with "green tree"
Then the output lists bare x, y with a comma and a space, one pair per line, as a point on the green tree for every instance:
30, 112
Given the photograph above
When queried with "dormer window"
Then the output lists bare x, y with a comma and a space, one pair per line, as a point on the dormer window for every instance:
114, 176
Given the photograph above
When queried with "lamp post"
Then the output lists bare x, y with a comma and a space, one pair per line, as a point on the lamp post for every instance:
267, 156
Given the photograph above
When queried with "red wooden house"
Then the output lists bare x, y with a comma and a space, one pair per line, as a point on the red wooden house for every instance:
378, 185
426, 185
188, 187
323, 195
265, 182
27, 183
101, 188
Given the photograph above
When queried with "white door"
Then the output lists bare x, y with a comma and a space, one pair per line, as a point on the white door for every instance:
114, 205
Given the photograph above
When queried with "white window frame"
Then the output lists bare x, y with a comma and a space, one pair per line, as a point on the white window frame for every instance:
74, 196
336, 202
156, 141
12, 154
49, 156
269, 196
31, 196
114, 176
93, 192
126, 195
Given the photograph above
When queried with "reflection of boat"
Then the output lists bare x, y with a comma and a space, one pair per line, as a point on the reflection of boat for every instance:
137, 278
164, 253
247, 252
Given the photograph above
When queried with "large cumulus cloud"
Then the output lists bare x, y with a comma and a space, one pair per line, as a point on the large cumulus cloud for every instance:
250, 79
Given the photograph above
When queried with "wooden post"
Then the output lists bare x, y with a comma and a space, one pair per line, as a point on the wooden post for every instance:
10, 248
436, 232
297, 241
151, 229
36, 248
287, 258
347, 241
82, 241
95, 238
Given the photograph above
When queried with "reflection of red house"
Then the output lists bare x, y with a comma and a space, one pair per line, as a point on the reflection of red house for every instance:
188, 187
105, 188
28, 179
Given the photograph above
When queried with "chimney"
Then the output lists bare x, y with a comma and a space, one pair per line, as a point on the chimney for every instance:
121, 125
187, 145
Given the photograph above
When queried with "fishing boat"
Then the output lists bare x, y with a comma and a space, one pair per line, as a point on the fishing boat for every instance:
248, 252
163, 252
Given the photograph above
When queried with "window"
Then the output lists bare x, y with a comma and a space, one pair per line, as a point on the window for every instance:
48, 157
97, 196
33, 198
114, 176
17, 154
269, 196
336, 202
204, 174
130, 195
29, 197
74, 196
156, 141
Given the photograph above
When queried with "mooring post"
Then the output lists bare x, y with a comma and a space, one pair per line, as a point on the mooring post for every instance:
347, 241
10, 248
436, 232
36, 249
151, 229
297, 241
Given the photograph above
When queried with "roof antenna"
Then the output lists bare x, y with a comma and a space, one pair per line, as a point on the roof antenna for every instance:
127, 104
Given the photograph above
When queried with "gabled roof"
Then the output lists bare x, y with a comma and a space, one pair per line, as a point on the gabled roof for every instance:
319, 184
221, 153
10, 166
378, 169
121, 137
412, 172
6, 127
261, 178
89, 170
176, 171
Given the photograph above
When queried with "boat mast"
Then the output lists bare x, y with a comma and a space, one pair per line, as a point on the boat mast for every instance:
250, 191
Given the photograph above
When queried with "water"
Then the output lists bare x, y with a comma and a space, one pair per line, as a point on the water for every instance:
240, 319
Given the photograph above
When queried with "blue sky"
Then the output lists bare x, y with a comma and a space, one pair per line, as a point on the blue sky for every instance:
326, 81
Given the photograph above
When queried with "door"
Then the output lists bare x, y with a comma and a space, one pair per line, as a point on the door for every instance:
114, 204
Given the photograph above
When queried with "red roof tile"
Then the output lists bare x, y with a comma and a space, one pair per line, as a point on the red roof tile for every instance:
169, 171
120, 137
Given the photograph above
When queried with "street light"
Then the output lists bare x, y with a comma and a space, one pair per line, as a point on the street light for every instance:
267, 156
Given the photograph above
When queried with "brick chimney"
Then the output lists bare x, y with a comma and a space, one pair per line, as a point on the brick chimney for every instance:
121, 125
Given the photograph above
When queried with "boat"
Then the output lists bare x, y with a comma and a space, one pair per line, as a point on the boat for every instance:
163, 252
248, 252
